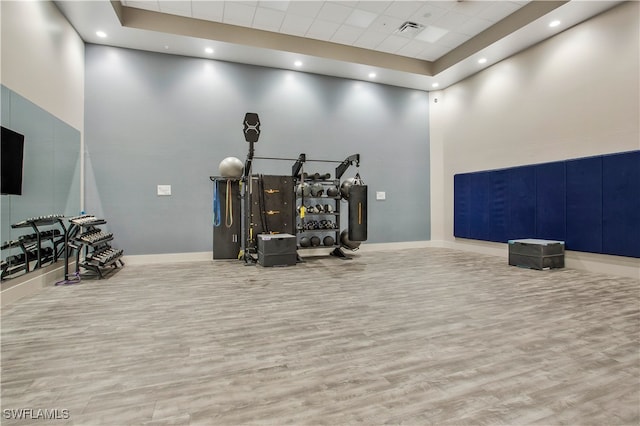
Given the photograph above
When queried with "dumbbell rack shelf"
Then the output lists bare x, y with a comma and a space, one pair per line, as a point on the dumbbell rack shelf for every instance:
32, 245
311, 224
85, 236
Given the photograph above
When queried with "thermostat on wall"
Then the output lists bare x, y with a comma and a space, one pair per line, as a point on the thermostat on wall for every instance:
164, 189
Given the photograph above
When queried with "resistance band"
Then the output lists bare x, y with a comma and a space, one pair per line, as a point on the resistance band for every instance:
216, 204
228, 218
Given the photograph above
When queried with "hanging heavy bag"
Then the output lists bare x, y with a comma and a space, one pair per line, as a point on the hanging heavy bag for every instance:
358, 213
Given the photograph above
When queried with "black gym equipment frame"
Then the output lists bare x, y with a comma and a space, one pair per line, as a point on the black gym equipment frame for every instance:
248, 247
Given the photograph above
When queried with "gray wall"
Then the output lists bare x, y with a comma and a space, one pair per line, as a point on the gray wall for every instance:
154, 119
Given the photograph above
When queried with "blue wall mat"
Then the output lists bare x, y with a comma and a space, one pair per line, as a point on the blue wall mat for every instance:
551, 192
621, 204
461, 192
522, 202
584, 205
479, 206
593, 204
498, 218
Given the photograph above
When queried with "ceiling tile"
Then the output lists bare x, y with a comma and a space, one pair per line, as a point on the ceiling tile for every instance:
346, 34
370, 39
386, 24
146, 5
402, 9
374, 6
238, 13
208, 10
322, 30
334, 12
471, 8
413, 48
296, 25
305, 8
182, 8
432, 34
498, 10
451, 20
360, 18
452, 40
433, 52
281, 5
429, 14
474, 26
268, 19
392, 44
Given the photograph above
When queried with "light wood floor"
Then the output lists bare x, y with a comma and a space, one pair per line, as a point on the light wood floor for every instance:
418, 337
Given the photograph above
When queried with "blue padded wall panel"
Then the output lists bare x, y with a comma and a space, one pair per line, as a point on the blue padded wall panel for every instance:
584, 205
479, 206
550, 201
521, 202
498, 196
621, 204
461, 192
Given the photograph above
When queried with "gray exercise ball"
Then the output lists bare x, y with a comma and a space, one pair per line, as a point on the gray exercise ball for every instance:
305, 242
231, 167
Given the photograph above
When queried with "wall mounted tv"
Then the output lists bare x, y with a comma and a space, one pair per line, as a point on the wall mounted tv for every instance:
11, 156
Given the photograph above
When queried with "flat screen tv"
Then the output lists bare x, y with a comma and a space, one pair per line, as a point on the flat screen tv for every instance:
11, 156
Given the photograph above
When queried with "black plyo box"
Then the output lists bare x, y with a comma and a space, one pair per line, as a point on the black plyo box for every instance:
277, 250
536, 254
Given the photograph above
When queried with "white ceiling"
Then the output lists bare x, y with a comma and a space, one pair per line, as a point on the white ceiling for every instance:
366, 24
445, 48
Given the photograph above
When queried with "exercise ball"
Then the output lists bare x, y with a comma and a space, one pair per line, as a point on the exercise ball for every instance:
315, 241
305, 242
346, 242
328, 241
231, 167
317, 189
345, 186
333, 191
303, 189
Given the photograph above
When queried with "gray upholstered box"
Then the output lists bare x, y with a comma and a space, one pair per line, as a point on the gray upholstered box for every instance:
277, 250
536, 254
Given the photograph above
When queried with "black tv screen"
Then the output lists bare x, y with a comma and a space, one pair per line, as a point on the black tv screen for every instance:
11, 154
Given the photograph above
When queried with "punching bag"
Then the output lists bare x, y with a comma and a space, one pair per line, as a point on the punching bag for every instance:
358, 213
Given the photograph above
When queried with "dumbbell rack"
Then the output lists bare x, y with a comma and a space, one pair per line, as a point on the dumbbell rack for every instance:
322, 215
32, 245
85, 237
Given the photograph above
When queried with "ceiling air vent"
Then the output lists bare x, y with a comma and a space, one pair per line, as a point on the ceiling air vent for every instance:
409, 28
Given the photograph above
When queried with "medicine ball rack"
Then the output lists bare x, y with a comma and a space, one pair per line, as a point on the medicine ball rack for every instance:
321, 215
99, 256
32, 246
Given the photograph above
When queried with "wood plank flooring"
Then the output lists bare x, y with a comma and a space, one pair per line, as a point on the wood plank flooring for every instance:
416, 337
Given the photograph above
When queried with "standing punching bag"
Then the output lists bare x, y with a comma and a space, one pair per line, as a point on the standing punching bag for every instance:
358, 213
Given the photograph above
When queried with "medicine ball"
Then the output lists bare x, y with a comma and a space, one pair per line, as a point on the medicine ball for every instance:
328, 241
303, 189
305, 242
231, 167
317, 189
333, 191
315, 241
345, 186
346, 242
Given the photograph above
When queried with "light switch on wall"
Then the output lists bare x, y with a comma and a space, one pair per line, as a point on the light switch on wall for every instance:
164, 189
381, 195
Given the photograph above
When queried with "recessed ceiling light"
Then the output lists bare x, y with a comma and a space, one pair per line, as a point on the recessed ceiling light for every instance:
435, 85
554, 23
482, 60
372, 75
298, 63
208, 50
101, 34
